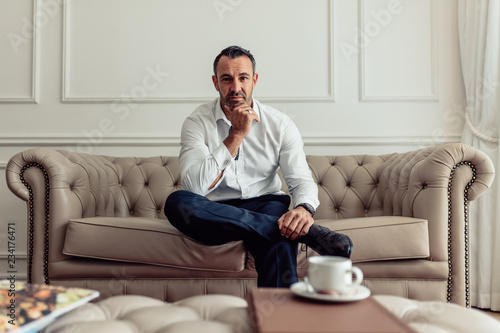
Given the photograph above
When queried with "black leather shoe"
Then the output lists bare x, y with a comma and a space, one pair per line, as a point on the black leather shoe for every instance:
327, 242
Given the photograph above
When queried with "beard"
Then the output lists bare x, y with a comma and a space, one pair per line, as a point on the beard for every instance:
234, 103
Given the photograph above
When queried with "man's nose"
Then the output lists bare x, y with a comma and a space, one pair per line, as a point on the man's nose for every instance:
236, 86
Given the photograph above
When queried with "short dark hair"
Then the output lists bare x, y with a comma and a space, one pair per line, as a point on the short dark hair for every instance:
234, 52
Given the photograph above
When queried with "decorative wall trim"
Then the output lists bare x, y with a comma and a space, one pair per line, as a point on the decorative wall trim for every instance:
35, 64
162, 141
417, 141
434, 56
3, 166
67, 97
114, 141
65, 44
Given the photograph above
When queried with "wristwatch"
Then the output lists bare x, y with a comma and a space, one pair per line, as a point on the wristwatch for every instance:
307, 207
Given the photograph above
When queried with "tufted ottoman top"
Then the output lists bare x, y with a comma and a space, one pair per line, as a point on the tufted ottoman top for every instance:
228, 314
134, 314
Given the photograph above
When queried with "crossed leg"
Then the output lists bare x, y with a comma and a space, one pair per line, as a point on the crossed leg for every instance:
250, 220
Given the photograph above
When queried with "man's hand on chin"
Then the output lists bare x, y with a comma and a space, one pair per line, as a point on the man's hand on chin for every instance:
241, 118
295, 223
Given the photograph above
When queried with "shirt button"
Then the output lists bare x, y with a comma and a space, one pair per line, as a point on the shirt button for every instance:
226, 162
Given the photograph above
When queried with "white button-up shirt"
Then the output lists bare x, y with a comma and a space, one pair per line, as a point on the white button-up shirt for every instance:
273, 142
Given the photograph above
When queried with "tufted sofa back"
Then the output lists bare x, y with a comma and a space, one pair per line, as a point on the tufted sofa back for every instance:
348, 186
369, 185
125, 186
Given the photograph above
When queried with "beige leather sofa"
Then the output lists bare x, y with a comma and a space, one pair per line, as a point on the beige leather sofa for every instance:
98, 222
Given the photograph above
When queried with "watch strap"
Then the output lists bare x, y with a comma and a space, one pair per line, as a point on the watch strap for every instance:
307, 207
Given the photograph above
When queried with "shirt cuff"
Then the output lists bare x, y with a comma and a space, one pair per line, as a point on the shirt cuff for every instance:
306, 199
222, 157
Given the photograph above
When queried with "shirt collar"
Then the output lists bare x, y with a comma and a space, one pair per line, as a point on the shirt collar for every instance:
219, 114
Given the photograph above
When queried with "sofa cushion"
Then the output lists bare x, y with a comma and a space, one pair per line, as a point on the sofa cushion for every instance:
381, 238
149, 241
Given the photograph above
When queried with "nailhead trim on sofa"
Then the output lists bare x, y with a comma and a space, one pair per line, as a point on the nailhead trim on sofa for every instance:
466, 233
32, 218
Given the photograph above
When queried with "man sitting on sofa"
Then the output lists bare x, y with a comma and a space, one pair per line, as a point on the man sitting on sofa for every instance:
231, 150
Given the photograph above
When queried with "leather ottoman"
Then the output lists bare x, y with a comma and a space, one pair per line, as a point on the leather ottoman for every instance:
228, 314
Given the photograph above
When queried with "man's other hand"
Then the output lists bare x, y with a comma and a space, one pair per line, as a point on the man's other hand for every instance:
295, 223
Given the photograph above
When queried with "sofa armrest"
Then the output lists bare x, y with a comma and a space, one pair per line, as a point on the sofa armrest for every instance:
436, 184
56, 189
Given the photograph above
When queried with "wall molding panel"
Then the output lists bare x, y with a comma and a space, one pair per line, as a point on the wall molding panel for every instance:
16, 39
112, 141
149, 71
174, 141
377, 26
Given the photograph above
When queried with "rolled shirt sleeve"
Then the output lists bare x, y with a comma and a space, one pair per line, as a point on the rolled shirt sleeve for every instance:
295, 169
200, 167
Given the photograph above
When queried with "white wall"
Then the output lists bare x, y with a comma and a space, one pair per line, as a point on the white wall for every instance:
118, 77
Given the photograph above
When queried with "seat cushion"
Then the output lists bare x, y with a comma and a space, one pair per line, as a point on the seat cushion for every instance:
386, 237
381, 238
131, 314
438, 317
149, 241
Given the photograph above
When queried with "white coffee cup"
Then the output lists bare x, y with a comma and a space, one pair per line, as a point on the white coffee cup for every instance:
332, 275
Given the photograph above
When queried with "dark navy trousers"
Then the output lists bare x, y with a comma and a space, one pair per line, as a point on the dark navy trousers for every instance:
251, 220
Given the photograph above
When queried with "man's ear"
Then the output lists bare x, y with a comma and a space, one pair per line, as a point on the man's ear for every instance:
214, 80
255, 78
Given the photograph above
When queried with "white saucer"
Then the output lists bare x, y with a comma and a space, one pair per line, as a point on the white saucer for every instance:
358, 293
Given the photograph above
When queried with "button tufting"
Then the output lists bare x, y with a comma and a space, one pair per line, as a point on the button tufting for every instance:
207, 313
